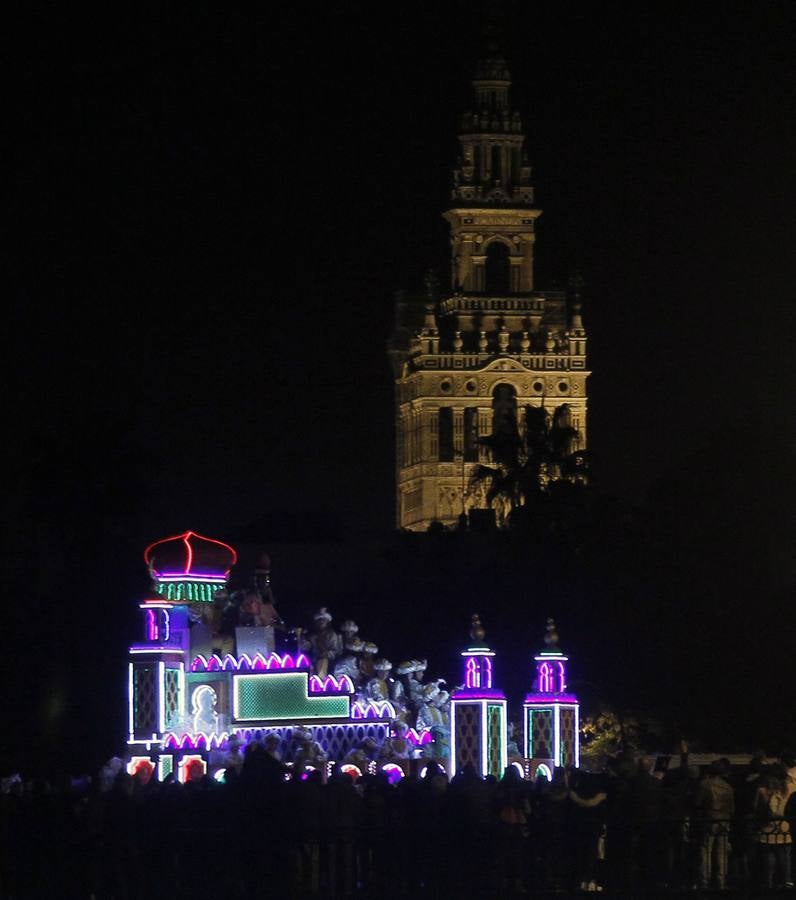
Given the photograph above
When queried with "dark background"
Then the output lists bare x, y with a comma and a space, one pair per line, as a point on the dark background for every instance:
210, 215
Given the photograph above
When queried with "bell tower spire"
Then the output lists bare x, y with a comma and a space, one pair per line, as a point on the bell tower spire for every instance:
492, 174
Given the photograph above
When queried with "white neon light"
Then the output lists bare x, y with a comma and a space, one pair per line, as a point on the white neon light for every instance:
577, 737
156, 650
162, 696
484, 746
130, 715
156, 605
557, 734
504, 737
475, 652
181, 689
452, 762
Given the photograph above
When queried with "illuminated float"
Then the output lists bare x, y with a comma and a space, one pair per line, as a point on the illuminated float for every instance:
205, 680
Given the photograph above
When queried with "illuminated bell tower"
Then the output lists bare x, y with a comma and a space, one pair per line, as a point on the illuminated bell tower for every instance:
493, 344
478, 712
550, 714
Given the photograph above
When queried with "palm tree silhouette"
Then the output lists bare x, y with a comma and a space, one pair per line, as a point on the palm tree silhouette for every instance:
526, 461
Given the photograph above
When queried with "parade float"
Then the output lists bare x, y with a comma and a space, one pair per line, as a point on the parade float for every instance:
206, 679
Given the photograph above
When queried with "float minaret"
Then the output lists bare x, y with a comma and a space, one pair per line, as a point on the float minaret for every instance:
478, 712
186, 569
550, 713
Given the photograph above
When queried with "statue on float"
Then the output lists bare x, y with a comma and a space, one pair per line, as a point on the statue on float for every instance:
324, 643
367, 661
348, 662
397, 746
440, 747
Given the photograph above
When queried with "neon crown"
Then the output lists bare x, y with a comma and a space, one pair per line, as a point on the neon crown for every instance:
190, 555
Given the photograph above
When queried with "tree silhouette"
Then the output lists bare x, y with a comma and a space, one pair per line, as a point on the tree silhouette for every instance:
527, 461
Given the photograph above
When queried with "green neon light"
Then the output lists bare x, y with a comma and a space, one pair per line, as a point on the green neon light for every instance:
165, 767
494, 718
192, 591
283, 695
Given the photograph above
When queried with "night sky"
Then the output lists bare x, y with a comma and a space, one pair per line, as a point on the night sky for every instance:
211, 214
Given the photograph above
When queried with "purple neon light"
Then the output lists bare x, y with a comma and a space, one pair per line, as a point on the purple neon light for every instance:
199, 741
472, 676
479, 694
244, 663
393, 772
331, 685
548, 698
151, 626
372, 709
190, 576
551, 677
486, 669
419, 739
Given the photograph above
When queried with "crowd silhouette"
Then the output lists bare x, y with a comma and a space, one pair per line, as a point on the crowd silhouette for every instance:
626, 832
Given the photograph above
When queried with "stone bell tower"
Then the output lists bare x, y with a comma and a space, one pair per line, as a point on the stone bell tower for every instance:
492, 344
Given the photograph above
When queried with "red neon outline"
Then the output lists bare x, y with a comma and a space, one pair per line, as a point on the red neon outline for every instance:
185, 539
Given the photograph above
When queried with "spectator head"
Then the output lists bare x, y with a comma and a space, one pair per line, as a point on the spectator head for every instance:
720, 767
511, 775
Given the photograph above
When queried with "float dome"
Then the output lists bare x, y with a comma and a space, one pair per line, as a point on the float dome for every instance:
190, 555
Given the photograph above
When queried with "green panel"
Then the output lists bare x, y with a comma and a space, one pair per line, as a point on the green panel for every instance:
540, 733
494, 718
283, 695
165, 767
172, 692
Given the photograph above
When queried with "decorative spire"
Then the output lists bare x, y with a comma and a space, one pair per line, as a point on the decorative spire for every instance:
477, 632
493, 168
551, 637
431, 283
575, 287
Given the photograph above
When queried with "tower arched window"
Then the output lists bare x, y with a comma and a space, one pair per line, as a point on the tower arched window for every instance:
496, 159
504, 409
498, 275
